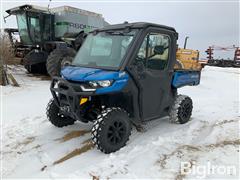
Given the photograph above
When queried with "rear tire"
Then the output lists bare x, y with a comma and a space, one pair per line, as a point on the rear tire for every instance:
111, 130
181, 109
59, 58
55, 117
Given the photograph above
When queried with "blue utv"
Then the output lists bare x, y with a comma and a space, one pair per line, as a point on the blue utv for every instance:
123, 75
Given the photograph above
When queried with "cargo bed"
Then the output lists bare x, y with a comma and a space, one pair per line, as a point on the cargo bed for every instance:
186, 77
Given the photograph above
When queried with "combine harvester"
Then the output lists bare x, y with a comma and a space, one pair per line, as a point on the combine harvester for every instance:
223, 62
52, 35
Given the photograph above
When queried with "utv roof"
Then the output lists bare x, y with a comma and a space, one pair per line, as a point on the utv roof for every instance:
137, 25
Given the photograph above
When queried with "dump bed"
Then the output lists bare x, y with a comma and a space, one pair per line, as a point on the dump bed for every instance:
186, 78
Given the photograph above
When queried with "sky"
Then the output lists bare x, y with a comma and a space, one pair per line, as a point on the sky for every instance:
205, 22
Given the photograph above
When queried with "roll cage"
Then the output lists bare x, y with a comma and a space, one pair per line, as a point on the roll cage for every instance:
142, 30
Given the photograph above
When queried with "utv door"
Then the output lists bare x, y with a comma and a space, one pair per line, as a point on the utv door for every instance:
153, 66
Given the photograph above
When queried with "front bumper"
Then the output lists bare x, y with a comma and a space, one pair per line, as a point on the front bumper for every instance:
67, 96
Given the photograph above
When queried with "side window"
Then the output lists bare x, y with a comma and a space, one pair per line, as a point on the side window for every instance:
46, 27
35, 29
154, 51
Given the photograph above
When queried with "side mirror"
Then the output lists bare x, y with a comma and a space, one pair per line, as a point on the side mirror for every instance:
159, 50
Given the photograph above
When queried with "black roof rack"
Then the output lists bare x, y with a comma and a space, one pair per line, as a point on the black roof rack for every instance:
137, 25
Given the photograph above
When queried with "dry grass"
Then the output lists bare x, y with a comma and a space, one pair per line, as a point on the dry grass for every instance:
224, 143
72, 134
87, 141
14, 61
6, 56
6, 51
94, 177
25, 142
87, 145
75, 152
178, 151
226, 121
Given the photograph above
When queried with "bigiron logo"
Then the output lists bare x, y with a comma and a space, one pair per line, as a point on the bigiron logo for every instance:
204, 170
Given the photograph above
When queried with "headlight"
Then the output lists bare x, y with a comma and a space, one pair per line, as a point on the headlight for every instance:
105, 83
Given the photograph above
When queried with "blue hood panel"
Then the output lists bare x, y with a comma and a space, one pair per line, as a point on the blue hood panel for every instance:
82, 74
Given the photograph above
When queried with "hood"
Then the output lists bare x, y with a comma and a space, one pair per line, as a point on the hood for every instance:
82, 74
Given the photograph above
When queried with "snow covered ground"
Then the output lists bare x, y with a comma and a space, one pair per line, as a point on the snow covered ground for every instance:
33, 148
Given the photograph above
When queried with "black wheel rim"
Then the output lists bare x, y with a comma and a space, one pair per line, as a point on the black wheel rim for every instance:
116, 132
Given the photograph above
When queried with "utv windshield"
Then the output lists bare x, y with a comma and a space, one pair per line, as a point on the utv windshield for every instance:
29, 29
105, 49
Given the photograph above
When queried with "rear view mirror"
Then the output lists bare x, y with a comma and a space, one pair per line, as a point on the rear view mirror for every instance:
159, 50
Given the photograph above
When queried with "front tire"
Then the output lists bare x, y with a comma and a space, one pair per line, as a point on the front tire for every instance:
54, 116
181, 109
111, 130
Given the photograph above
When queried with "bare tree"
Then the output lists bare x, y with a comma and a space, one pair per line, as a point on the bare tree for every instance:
6, 54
